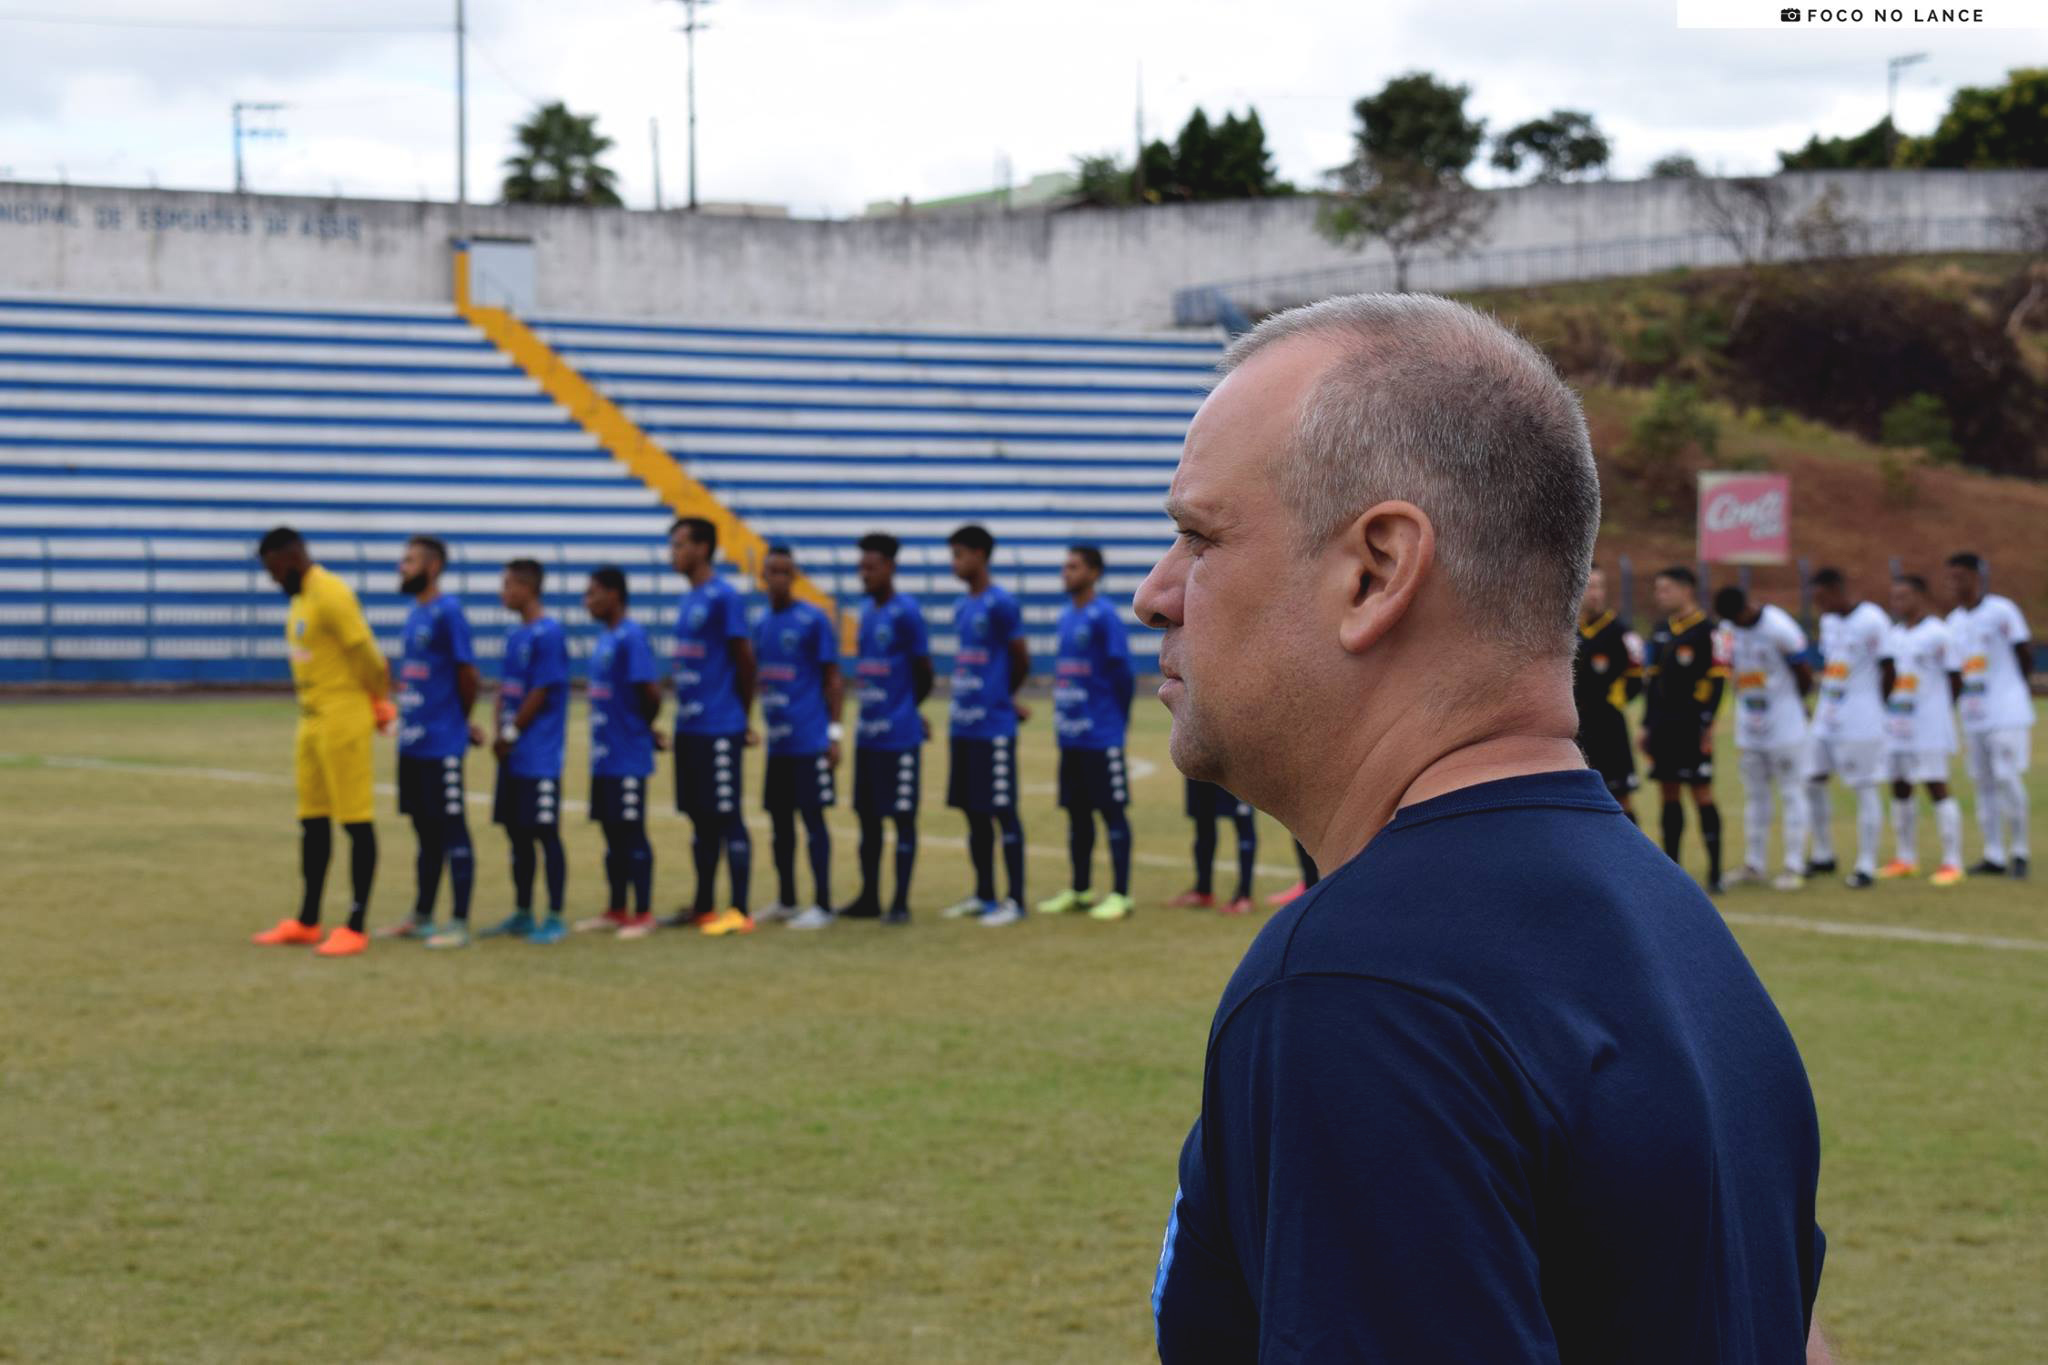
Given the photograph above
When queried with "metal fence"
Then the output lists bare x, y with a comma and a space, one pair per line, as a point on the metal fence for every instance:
1212, 304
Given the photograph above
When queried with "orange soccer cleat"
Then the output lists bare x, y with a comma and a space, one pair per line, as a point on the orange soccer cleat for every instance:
1896, 869
287, 931
1241, 906
344, 942
1948, 874
1191, 900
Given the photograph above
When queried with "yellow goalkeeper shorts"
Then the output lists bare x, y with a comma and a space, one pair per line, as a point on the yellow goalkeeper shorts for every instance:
333, 762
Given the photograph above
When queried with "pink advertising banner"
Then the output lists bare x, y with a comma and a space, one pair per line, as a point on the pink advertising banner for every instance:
1745, 518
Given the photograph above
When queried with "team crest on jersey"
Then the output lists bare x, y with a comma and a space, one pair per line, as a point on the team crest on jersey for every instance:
884, 634
1685, 656
788, 637
299, 627
978, 627
1081, 635
1598, 663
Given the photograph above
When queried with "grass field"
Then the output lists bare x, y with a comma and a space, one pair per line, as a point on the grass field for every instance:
942, 1144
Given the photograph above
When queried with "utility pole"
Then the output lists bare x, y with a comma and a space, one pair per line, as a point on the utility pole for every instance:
691, 23
461, 109
1138, 162
241, 107
654, 138
1892, 69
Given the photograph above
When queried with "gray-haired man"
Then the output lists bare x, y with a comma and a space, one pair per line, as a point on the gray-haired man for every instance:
1501, 1087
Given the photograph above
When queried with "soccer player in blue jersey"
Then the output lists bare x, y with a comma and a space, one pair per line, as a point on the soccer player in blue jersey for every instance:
892, 676
1091, 697
531, 721
1205, 801
625, 697
714, 680
437, 685
990, 662
796, 647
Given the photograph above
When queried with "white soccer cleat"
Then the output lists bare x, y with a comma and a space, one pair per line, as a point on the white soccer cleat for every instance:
973, 907
1788, 881
777, 913
1743, 876
1006, 912
816, 917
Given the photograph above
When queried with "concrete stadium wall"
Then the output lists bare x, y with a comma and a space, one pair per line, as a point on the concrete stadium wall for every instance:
1086, 270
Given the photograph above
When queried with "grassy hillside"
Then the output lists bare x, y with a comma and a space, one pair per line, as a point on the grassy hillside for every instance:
1905, 399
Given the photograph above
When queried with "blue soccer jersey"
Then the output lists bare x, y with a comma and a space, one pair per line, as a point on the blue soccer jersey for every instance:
794, 646
985, 623
892, 637
708, 620
621, 741
1091, 691
537, 656
431, 719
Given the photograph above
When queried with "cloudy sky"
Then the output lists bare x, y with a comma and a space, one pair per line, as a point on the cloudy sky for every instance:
826, 105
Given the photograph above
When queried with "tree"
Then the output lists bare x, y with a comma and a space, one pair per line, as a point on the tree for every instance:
1675, 166
1102, 181
1405, 183
1563, 145
1870, 150
558, 161
1990, 127
1208, 161
1244, 164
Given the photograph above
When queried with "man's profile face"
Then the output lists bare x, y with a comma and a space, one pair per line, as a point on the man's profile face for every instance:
1077, 575
601, 602
417, 569
1832, 598
778, 576
1905, 600
287, 569
1232, 593
1595, 600
514, 592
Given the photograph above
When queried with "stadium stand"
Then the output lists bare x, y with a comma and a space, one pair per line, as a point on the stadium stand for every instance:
143, 448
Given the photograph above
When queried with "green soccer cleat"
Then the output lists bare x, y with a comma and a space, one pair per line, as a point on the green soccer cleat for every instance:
1065, 902
553, 930
1112, 907
518, 924
454, 936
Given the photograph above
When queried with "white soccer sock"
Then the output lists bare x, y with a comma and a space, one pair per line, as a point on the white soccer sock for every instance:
1906, 830
1756, 825
1819, 830
2012, 806
1794, 802
1869, 828
1989, 821
1948, 821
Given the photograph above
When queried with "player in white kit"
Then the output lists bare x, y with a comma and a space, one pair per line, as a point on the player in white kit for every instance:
1920, 733
1848, 722
1770, 729
1997, 712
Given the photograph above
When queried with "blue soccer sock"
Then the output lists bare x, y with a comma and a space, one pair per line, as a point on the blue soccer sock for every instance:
818, 839
1118, 826
461, 867
1081, 846
556, 865
906, 859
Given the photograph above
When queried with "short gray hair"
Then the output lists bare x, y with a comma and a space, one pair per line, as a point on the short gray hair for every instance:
1437, 404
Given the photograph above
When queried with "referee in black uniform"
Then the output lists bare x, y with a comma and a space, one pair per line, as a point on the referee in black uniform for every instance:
1682, 684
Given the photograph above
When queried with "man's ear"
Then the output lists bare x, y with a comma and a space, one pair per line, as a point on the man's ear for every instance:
1385, 555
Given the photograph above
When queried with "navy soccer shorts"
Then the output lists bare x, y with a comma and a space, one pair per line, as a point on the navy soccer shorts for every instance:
983, 777
1206, 800
526, 801
1093, 779
429, 786
798, 782
708, 771
618, 800
886, 781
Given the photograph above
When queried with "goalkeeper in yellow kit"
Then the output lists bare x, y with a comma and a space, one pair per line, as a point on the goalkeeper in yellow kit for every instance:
343, 685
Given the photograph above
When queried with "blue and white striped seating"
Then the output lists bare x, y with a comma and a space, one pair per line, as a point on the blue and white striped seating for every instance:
144, 447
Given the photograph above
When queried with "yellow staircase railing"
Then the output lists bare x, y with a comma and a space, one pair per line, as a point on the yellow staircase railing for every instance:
622, 437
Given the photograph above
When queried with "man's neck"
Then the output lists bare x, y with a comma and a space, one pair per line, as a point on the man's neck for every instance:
1412, 759
780, 603
530, 613
425, 596
611, 622
1915, 618
1083, 597
880, 596
702, 574
977, 583
1972, 603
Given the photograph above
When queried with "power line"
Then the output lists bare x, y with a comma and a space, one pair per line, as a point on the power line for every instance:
126, 21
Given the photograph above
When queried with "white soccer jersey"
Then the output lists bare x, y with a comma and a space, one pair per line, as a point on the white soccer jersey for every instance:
1851, 694
1995, 695
1917, 718
1768, 712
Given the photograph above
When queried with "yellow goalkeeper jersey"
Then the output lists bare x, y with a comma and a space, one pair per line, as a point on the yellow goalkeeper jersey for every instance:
325, 634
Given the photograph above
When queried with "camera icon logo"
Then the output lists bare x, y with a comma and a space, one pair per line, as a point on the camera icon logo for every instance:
1788, 16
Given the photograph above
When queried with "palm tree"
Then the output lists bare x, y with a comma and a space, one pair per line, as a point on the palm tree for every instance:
558, 162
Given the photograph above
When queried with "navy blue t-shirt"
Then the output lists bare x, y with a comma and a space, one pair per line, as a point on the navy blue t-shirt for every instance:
536, 656
431, 721
1502, 1088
